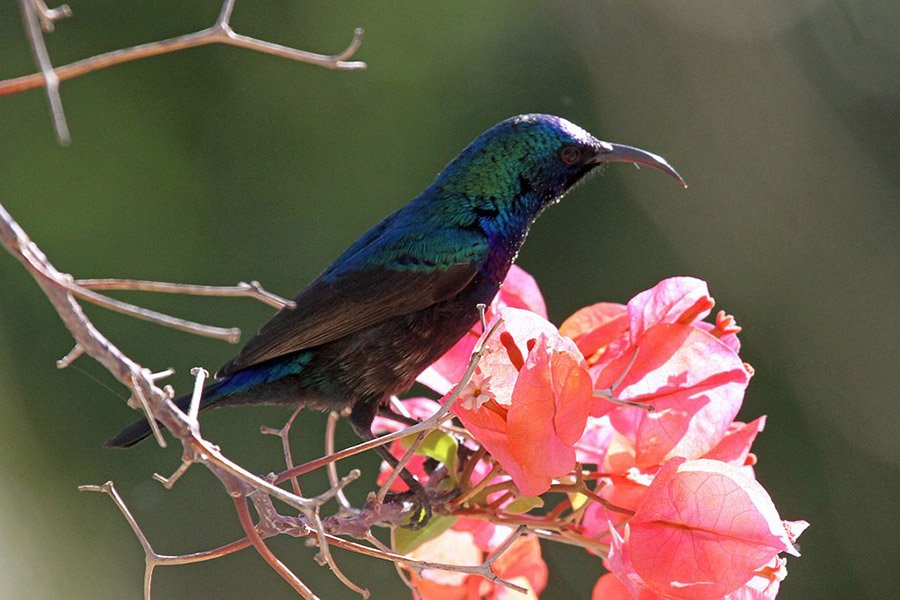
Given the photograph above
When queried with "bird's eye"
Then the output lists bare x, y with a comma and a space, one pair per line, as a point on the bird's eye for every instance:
570, 154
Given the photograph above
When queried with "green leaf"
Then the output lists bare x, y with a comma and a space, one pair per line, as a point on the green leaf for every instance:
407, 540
437, 445
523, 505
578, 500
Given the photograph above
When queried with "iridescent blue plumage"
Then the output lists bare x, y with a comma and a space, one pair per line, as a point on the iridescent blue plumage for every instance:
408, 289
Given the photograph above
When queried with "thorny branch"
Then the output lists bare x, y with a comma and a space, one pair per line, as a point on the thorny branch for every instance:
243, 289
37, 16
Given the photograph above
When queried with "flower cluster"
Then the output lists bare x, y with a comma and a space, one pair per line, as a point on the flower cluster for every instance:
639, 399
467, 542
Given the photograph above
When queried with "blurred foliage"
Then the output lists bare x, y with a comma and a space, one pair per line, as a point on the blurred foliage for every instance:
217, 165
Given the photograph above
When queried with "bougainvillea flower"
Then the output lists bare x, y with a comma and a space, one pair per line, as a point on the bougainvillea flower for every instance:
451, 547
668, 359
608, 587
417, 408
683, 300
468, 543
734, 448
591, 448
762, 586
598, 331
541, 397
519, 290
521, 564
620, 491
695, 384
702, 530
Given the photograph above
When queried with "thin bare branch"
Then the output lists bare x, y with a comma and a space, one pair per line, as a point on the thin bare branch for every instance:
243, 511
330, 429
219, 33
230, 334
148, 412
48, 76
283, 433
149, 554
243, 289
170, 481
57, 286
109, 489
482, 570
153, 558
324, 550
398, 468
479, 487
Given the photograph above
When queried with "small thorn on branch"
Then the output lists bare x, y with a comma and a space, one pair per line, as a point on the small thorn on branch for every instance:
154, 377
49, 16
69, 358
169, 482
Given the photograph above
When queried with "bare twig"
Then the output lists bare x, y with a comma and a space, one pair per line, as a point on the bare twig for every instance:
243, 289
482, 570
607, 394
219, 33
283, 433
71, 357
170, 481
337, 489
478, 487
330, 428
243, 511
33, 19
152, 559
230, 334
57, 287
398, 468
148, 411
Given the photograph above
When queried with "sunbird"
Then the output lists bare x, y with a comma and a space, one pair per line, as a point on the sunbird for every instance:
407, 290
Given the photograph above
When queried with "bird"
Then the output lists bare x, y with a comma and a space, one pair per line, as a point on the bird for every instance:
407, 290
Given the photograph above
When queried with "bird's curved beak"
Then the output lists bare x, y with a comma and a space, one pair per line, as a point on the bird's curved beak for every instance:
607, 153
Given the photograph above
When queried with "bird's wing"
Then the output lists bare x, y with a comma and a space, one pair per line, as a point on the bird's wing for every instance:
355, 294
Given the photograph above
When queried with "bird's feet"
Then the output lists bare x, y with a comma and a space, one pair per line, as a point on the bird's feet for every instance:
422, 502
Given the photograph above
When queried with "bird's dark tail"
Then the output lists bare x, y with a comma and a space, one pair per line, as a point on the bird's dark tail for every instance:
140, 430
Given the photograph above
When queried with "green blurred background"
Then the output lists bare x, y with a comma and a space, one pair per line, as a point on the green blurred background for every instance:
217, 165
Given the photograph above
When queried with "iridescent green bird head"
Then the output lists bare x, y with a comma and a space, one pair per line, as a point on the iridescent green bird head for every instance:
536, 156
